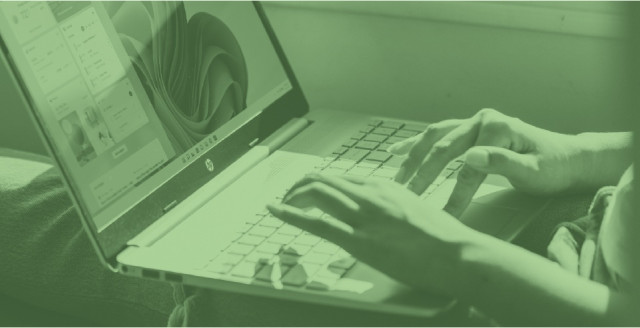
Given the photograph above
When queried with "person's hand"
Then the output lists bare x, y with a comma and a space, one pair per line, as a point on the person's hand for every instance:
532, 159
382, 224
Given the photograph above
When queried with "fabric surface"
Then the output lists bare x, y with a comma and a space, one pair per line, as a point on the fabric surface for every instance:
48, 261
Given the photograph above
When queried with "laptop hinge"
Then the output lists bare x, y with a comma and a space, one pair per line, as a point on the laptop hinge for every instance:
287, 132
176, 213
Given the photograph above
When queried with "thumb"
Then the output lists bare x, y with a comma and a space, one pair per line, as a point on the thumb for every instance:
497, 160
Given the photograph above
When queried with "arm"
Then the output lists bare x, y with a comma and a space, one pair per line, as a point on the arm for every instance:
517, 287
390, 228
607, 155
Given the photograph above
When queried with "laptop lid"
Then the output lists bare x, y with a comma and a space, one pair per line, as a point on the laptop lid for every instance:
141, 103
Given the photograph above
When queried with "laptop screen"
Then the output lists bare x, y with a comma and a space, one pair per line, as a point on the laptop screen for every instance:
129, 93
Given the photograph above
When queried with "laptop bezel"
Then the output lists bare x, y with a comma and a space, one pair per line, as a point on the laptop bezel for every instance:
113, 239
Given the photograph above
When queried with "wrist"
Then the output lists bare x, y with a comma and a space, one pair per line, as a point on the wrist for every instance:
601, 158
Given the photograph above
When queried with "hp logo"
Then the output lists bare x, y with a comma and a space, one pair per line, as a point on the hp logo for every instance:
209, 164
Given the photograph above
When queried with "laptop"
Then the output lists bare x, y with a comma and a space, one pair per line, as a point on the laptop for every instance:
173, 124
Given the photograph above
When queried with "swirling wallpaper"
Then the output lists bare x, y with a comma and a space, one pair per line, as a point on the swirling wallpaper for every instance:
193, 69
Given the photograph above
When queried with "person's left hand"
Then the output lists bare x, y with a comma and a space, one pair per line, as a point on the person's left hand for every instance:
382, 224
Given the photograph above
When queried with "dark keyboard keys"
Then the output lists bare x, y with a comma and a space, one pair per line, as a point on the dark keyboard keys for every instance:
405, 134
296, 277
378, 156
369, 145
349, 143
354, 154
395, 161
392, 125
395, 139
375, 138
415, 127
367, 128
341, 150
358, 136
383, 131
375, 123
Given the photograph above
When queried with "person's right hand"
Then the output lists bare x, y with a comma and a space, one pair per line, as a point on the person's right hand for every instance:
532, 159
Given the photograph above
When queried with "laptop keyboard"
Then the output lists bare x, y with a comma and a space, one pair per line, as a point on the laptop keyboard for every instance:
269, 250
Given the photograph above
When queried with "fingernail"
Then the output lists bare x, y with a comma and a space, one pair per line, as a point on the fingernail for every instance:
477, 158
275, 209
393, 148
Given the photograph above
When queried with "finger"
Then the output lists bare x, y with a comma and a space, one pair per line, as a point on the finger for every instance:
587, 255
403, 147
336, 233
469, 180
454, 144
328, 200
498, 160
353, 191
421, 147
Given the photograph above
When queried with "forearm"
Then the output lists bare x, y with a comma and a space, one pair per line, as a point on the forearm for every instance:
605, 155
517, 287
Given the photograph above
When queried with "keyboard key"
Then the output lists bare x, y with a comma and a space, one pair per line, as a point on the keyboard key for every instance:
384, 146
296, 277
343, 263
383, 131
240, 249
269, 248
415, 127
221, 268
385, 172
354, 154
257, 256
226, 258
349, 143
375, 122
318, 285
394, 139
244, 228
271, 221
254, 218
369, 145
250, 240
261, 231
310, 268
317, 258
268, 273
281, 239
368, 165
246, 269
378, 156
405, 134
359, 171
366, 129
334, 171
309, 240
392, 125
288, 229
340, 150
297, 249
395, 161
289, 259
326, 248
358, 136
342, 164
375, 138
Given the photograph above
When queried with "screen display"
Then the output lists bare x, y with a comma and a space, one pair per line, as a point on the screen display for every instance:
129, 93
